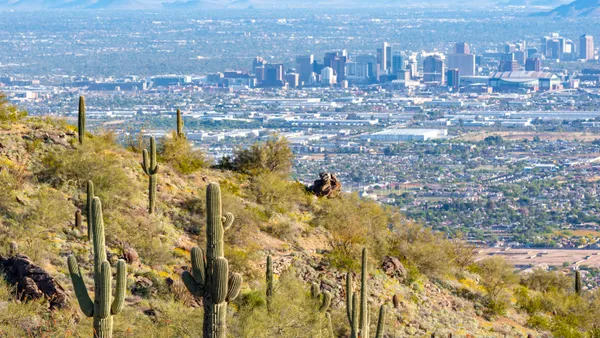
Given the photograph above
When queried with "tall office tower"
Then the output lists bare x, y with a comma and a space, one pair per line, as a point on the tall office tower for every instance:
508, 63
520, 56
586, 47
293, 79
465, 63
388, 58
461, 48
413, 66
328, 76
553, 49
509, 48
370, 61
337, 62
397, 63
533, 65
544, 45
453, 78
260, 73
273, 74
304, 67
258, 62
383, 58
434, 69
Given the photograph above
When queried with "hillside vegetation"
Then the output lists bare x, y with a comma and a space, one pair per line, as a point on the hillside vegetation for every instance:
429, 284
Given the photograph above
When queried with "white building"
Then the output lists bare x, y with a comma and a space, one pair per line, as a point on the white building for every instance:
398, 135
328, 76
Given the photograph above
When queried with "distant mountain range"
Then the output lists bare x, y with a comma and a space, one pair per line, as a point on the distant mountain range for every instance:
577, 8
220, 4
532, 3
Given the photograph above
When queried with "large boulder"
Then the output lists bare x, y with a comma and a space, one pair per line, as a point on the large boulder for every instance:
393, 268
32, 281
326, 186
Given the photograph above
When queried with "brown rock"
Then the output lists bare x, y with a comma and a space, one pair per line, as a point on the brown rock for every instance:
32, 281
326, 186
393, 267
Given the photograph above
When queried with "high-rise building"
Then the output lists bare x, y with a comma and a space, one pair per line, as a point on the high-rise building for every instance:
273, 75
453, 78
293, 79
304, 67
258, 62
397, 63
383, 58
509, 48
337, 62
465, 63
461, 48
508, 63
553, 49
586, 47
533, 65
358, 71
328, 76
388, 57
434, 69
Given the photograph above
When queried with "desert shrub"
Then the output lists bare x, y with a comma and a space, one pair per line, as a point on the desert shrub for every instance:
9, 112
100, 160
179, 154
275, 194
353, 223
12, 180
274, 155
541, 280
430, 252
497, 278
294, 313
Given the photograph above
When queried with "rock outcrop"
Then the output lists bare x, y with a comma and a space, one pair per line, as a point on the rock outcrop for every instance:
326, 186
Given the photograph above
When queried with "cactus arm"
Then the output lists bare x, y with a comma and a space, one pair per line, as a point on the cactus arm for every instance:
89, 213
191, 285
103, 294
381, 322
329, 325
221, 280
144, 164
235, 285
98, 236
119, 300
326, 301
349, 300
314, 290
81, 292
153, 167
198, 267
228, 220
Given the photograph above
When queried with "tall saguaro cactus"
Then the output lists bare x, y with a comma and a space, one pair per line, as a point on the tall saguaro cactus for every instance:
101, 309
210, 277
150, 168
578, 282
359, 318
269, 280
81, 120
180, 133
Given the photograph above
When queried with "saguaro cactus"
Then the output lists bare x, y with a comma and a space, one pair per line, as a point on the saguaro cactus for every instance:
180, 133
150, 168
101, 309
78, 219
81, 120
360, 318
210, 277
269, 278
578, 282
88, 207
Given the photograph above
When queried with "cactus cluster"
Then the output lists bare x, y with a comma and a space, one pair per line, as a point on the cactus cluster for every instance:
101, 309
81, 120
150, 168
180, 133
359, 314
210, 277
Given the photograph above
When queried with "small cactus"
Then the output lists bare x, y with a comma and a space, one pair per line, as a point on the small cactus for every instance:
396, 301
210, 277
150, 168
101, 309
81, 120
323, 297
14, 249
180, 133
381, 322
78, 219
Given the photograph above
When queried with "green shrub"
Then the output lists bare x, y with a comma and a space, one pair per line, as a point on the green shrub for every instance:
179, 154
274, 155
276, 194
497, 278
9, 113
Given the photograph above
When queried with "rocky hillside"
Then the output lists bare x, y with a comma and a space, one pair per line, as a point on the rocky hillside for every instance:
43, 175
